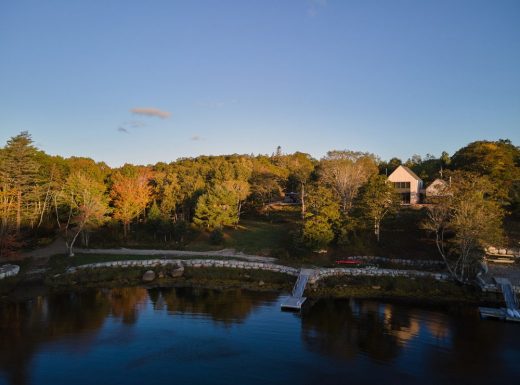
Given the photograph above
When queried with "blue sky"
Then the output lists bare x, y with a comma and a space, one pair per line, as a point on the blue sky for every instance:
393, 77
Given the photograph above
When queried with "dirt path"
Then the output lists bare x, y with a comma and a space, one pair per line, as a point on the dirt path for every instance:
58, 247
230, 253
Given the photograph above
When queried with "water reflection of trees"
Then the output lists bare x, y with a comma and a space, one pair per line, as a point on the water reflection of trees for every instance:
25, 326
227, 307
77, 316
345, 329
477, 351
459, 348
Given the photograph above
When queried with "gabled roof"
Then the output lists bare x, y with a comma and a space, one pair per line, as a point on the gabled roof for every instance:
438, 181
412, 174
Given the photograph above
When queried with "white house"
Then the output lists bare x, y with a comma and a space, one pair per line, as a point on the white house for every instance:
408, 184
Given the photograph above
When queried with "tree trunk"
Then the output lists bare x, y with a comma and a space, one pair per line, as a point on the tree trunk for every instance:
302, 198
44, 208
18, 211
70, 246
376, 229
439, 241
239, 210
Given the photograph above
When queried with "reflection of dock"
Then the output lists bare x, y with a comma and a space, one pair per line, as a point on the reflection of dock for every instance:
494, 313
511, 311
296, 300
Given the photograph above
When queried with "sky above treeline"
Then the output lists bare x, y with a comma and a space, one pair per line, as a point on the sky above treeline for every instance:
147, 81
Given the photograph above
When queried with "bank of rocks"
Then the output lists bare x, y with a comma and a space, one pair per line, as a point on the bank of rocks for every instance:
398, 261
206, 263
375, 272
9, 271
194, 263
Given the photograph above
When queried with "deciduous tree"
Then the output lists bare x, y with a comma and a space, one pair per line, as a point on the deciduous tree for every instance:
88, 205
377, 199
345, 172
130, 194
464, 221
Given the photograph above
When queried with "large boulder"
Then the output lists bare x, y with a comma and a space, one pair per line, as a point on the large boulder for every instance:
149, 276
177, 272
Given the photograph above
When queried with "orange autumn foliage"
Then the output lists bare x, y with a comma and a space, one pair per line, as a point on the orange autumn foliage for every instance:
130, 196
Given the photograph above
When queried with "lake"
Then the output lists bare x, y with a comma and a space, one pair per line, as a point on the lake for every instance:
199, 336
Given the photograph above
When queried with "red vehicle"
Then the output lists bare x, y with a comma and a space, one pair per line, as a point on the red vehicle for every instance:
349, 262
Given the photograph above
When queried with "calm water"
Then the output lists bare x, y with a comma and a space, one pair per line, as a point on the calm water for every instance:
193, 336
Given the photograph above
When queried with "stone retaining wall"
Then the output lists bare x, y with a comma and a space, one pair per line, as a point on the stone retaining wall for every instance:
399, 261
319, 273
196, 263
9, 271
376, 272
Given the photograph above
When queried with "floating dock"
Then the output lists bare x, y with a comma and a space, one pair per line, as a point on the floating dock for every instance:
296, 300
509, 313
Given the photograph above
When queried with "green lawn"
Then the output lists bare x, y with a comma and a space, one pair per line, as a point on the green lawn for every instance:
252, 236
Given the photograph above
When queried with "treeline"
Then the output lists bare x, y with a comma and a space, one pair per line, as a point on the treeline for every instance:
337, 195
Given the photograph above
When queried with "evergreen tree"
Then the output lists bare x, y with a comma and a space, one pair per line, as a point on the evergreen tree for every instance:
216, 208
18, 178
321, 218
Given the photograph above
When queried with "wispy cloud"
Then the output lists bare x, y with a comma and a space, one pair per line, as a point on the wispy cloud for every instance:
215, 103
313, 7
126, 126
150, 111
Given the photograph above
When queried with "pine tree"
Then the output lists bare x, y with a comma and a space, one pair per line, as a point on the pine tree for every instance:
322, 216
216, 208
18, 178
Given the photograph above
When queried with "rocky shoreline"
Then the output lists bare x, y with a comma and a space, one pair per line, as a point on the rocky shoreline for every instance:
320, 273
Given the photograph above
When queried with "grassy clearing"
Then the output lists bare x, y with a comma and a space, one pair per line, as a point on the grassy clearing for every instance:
251, 237
259, 234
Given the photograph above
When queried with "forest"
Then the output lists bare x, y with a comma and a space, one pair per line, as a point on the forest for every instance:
337, 203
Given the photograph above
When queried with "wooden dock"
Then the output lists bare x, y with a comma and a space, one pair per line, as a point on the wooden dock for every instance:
511, 311
296, 300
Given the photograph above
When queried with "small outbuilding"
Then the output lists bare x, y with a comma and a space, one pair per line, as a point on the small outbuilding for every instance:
438, 188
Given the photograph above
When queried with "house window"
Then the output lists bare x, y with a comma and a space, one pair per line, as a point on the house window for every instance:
405, 198
402, 185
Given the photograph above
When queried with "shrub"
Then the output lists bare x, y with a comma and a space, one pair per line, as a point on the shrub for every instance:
216, 237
